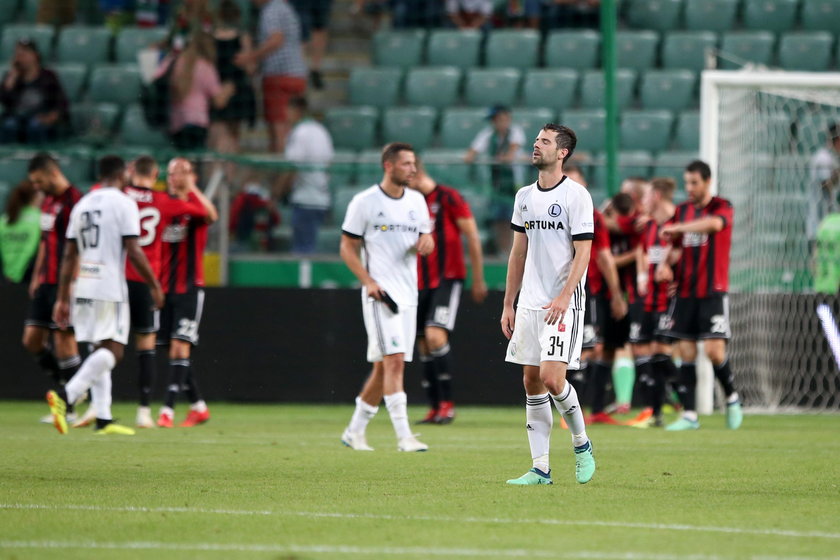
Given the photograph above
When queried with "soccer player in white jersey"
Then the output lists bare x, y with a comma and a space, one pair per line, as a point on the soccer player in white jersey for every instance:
392, 224
103, 228
553, 230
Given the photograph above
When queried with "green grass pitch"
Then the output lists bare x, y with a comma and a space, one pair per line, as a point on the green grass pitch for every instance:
274, 482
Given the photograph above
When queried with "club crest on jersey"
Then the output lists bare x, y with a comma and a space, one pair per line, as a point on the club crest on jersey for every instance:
412, 215
554, 210
174, 233
561, 327
694, 239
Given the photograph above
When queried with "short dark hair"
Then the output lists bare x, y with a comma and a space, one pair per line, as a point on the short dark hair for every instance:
701, 167
145, 166
42, 161
566, 138
111, 168
229, 12
834, 131
300, 103
392, 150
665, 186
623, 203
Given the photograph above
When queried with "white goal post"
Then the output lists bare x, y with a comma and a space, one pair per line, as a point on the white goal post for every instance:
759, 132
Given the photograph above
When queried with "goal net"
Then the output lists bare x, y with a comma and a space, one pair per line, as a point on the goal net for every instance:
760, 132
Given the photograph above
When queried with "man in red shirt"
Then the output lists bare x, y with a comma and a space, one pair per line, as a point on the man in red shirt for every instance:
701, 236
45, 174
182, 277
441, 276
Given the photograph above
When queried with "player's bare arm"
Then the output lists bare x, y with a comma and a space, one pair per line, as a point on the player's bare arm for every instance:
641, 271
35, 282
212, 212
558, 306
425, 244
626, 258
469, 229
349, 251
69, 264
513, 282
607, 265
709, 224
141, 264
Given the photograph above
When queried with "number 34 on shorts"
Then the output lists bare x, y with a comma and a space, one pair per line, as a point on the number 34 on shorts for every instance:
535, 341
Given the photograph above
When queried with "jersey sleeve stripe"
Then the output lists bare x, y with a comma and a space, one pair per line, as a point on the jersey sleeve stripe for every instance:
350, 235
515, 227
581, 236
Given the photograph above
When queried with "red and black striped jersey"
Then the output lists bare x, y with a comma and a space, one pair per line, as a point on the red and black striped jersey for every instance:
594, 279
182, 253
622, 243
157, 209
55, 217
703, 268
446, 206
656, 249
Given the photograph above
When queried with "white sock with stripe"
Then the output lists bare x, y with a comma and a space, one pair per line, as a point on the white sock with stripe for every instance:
568, 405
363, 414
92, 368
539, 421
396, 405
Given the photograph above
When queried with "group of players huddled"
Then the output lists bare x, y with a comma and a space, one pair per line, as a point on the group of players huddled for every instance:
125, 257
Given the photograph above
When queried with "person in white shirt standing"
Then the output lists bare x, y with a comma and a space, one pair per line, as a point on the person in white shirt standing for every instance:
824, 170
553, 227
392, 224
103, 229
310, 145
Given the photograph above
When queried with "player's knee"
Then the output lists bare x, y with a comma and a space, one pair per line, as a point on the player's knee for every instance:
436, 338
716, 352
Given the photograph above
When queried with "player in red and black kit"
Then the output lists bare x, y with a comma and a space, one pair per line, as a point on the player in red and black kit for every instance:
649, 321
45, 174
182, 278
701, 236
441, 276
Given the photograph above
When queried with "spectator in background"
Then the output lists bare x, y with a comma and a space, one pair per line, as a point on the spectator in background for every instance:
195, 85
151, 13
824, 169
55, 12
34, 104
253, 217
193, 16
570, 13
117, 13
280, 54
314, 18
20, 233
230, 40
417, 13
309, 144
374, 9
501, 141
469, 14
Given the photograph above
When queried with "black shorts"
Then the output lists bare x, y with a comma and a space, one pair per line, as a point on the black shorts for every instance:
438, 307
699, 318
615, 333
648, 326
41, 307
180, 317
145, 318
314, 15
592, 323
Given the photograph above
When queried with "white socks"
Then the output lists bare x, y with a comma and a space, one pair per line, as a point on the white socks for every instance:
396, 405
97, 364
100, 396
539, 420
361, 416
568, 405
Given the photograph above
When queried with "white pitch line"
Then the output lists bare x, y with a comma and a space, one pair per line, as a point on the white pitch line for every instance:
436, 519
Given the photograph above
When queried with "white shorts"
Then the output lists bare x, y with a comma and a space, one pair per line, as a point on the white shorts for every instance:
95, 320
535, 341
389, 333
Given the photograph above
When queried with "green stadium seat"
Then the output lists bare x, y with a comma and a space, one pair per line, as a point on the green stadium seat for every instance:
459, 127
341, 200
432, 86
589, 126
329, 240
479, 205
646, 130
776, 134
13, 169
636, 49
512, 48
415, 125
134, 130
368, 168
592, 88
453, 48
749, 46
632, 163
491, 86
710, 15
343, 167
30, 10
807, 51
132, 40
77, 168
556, 88
41, 34
687, 49
83, 44
401, 49
72, 76
447, 166
8, 10
661, 15
667, 89
672, 164
352, 128
378, 87
115, 83
821, 15
687, 135
572, 48
770, 15
94, 123
532, 120
5, 191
